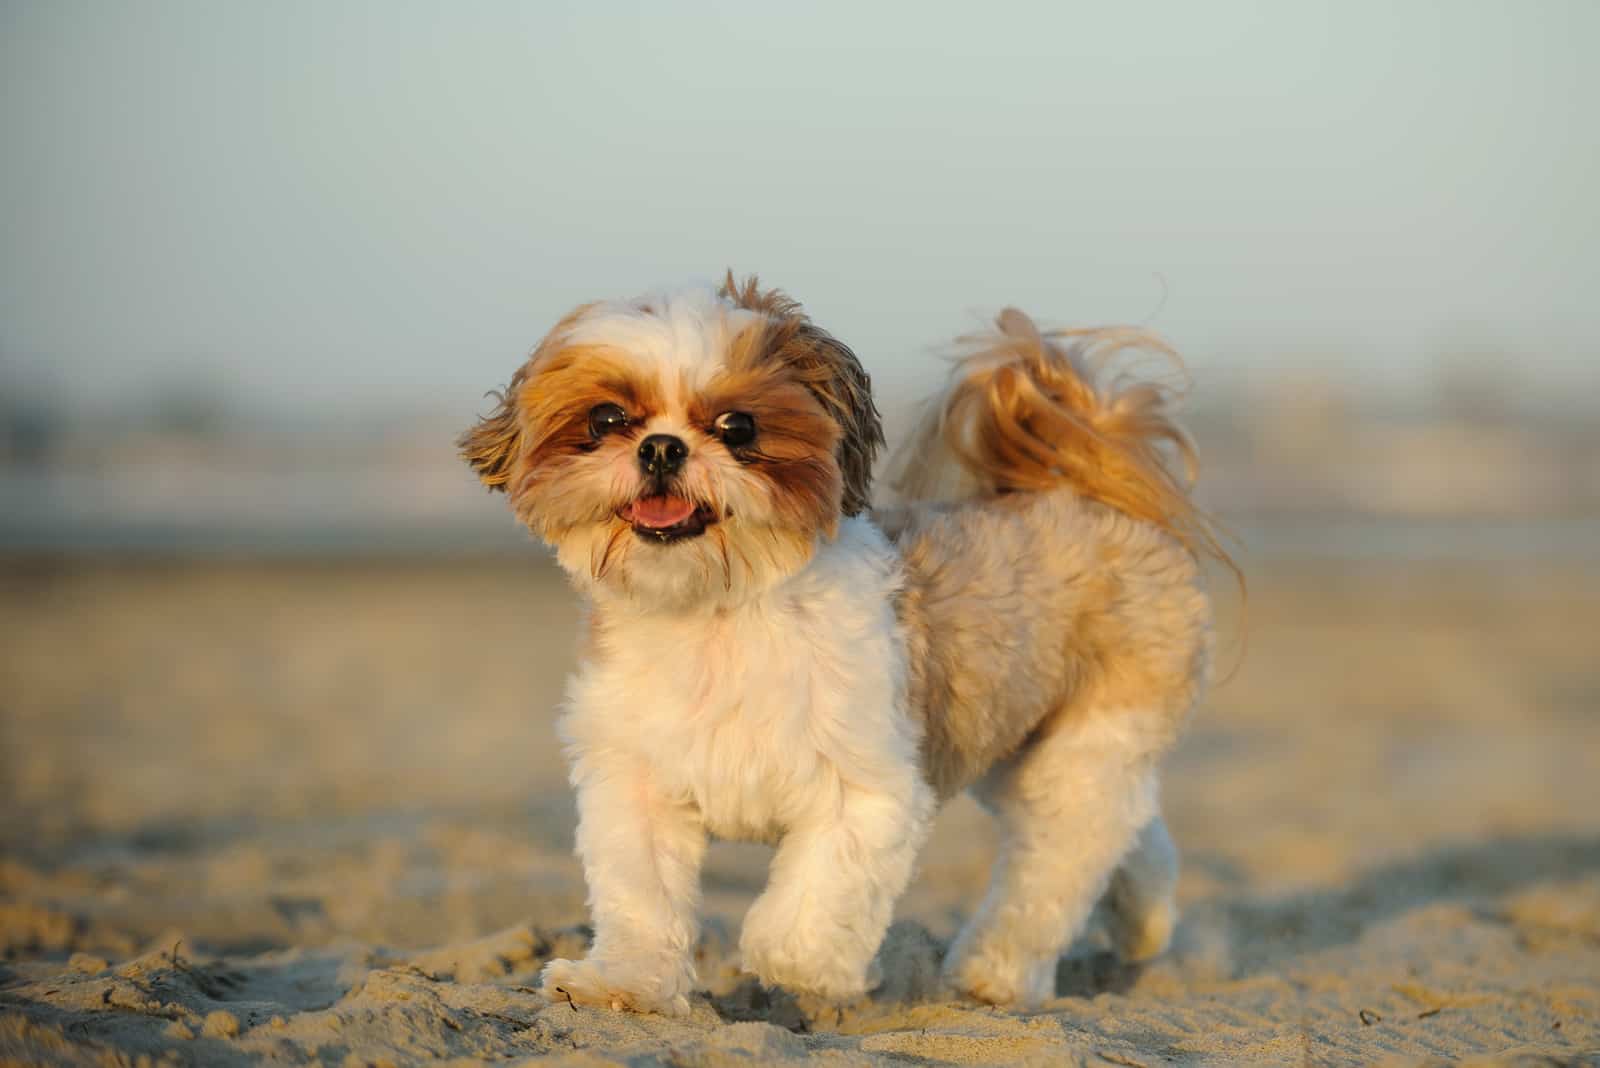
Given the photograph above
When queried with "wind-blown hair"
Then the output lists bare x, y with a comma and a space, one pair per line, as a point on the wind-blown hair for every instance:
1028, 410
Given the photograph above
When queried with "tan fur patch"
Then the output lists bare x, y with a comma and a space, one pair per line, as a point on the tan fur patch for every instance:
1028, 411
562, 389
494, 445
1021, 617
1050, 551
796, 441
827, 368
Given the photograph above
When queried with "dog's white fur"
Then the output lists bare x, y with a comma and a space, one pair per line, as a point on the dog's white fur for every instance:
825, 698
785, 721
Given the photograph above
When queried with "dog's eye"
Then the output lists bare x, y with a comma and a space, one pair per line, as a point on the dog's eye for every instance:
736, 428
605, 418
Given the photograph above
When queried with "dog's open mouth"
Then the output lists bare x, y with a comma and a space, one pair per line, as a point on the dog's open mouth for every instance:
667, 518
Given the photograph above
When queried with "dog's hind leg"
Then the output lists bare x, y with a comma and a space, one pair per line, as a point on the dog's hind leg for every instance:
1141, 905
1070, 808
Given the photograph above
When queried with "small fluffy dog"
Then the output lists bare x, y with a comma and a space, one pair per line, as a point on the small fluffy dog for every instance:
764, 661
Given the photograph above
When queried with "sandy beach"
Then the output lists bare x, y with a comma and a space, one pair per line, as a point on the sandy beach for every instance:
301, 813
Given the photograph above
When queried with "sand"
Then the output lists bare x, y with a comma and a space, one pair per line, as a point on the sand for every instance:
292, 813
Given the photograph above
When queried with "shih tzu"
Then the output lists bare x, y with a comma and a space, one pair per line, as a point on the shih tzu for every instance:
766, 660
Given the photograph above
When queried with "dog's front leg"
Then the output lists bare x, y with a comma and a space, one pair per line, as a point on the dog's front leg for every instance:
832, 889
641, 856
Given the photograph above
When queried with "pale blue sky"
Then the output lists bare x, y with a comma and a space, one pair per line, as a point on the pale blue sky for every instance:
322, 204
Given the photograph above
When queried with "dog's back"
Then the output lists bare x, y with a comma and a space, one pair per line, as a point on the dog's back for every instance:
1057, 636
1063, 572
1022, 610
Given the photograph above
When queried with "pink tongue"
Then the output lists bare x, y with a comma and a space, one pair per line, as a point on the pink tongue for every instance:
659, 512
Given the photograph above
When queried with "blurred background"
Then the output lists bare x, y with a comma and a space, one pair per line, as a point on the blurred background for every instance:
262, 262
260, 629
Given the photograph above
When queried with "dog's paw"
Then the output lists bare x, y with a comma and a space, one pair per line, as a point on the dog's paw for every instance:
647, 984
998, 980
806, 957
1144, 935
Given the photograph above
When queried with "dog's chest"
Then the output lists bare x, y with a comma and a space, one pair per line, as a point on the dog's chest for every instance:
732, 718
759, 715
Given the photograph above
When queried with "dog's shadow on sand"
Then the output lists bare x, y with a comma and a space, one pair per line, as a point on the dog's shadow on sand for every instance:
910, 960
1263, 932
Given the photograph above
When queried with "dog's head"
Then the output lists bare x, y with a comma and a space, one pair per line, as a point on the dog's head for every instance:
683, 447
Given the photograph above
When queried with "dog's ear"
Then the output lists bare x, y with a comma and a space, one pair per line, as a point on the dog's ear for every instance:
495, 445
837, 379
491, 447
826, 367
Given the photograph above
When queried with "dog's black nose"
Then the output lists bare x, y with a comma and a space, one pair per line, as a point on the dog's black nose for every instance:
662, 454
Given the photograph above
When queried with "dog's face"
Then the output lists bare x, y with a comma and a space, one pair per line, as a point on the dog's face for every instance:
682, 448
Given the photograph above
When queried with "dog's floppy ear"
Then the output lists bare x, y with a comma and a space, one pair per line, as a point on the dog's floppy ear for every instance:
494, 446
491, 447
827, 367
837, 379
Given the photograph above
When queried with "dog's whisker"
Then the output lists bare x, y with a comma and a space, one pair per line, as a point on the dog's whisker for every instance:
727, 568
610, 548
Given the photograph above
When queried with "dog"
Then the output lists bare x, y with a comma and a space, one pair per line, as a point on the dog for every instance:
765, 659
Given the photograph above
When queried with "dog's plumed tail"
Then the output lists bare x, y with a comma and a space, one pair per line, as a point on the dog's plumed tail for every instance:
1028, 410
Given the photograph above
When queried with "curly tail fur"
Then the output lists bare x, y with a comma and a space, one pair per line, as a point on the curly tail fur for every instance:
1029, 410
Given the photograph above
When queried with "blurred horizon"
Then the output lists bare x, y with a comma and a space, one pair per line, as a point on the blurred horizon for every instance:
261, 264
